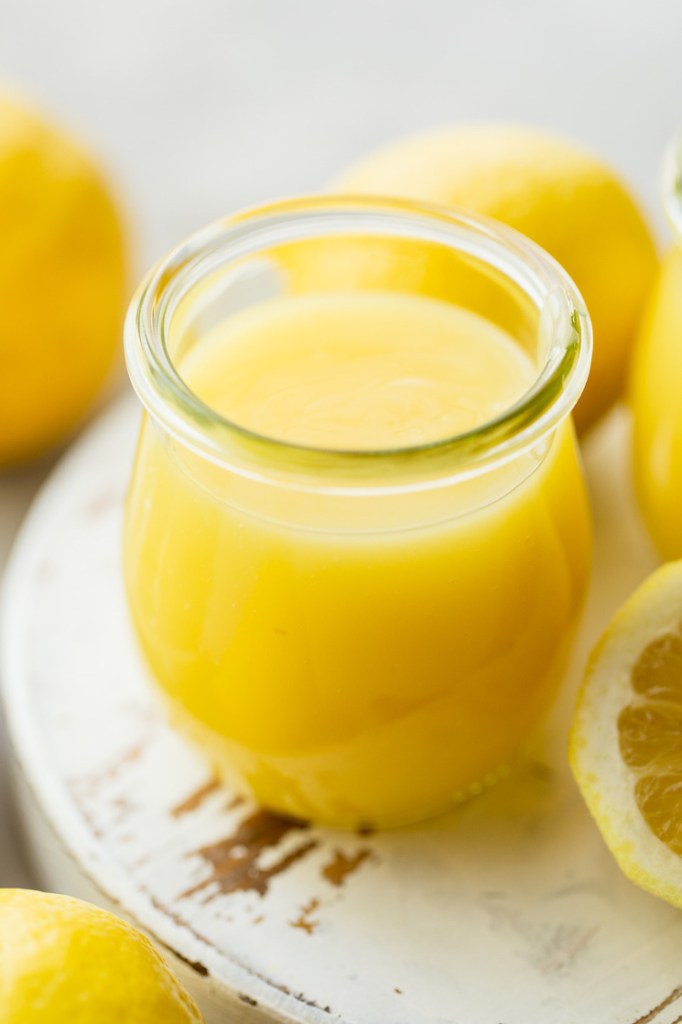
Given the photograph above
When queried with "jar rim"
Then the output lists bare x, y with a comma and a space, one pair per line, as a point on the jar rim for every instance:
171, 402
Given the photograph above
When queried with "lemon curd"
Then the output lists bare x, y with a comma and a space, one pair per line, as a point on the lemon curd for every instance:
356, 601
358, 370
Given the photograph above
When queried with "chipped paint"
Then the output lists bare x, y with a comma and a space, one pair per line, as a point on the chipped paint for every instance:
247, 999
341, 865
305, 921
195, 799
663, 1005
233, 860
88, 785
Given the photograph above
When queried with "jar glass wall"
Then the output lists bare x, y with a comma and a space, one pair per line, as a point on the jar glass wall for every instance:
358, 636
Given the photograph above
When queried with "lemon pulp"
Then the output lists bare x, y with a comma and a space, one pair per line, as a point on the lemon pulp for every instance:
650, 736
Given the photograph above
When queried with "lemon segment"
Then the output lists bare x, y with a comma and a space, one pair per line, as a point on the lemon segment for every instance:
626, 740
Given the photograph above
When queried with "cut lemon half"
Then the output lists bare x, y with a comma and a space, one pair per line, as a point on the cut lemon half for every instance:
626, 741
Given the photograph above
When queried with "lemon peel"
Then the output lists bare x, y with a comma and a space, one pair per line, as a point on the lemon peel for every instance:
63, 961
558, 194
63, 282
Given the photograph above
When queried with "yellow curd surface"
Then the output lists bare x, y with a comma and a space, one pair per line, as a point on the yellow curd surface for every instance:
364, 659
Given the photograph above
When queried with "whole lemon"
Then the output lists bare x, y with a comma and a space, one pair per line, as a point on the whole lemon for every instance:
62, 282
63, 961
556, 193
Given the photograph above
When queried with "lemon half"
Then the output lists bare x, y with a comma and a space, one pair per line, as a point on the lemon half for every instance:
626, 741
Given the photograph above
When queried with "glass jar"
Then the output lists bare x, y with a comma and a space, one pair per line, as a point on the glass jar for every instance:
357, 637
656, 384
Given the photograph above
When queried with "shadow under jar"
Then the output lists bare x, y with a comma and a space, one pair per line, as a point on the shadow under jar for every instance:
357, 535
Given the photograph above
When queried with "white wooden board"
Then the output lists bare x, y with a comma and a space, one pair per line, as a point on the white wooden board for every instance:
508, 911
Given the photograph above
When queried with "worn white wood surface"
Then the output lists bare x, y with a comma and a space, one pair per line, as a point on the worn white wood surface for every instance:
508, 911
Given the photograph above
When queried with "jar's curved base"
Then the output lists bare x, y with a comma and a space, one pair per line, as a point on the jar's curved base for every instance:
364, 678
373, 781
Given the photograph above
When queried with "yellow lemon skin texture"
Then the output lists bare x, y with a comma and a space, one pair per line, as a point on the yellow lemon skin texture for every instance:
656, 400
553, 191
63, 961
63, 283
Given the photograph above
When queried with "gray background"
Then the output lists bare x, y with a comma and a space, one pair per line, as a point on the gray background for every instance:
200, 106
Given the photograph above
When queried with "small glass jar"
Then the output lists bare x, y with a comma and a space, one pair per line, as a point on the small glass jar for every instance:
360, 638
656, 383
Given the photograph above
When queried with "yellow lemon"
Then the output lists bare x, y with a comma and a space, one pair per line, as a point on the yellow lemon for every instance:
655, 389
626, 742
551, 190
63, 961
62, 283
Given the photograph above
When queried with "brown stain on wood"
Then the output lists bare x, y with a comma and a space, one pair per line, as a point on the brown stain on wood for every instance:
185, 924
200, 968
233, 861
89, 785
177, 919
337, 870
305, 921
195, 799
668, 1001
